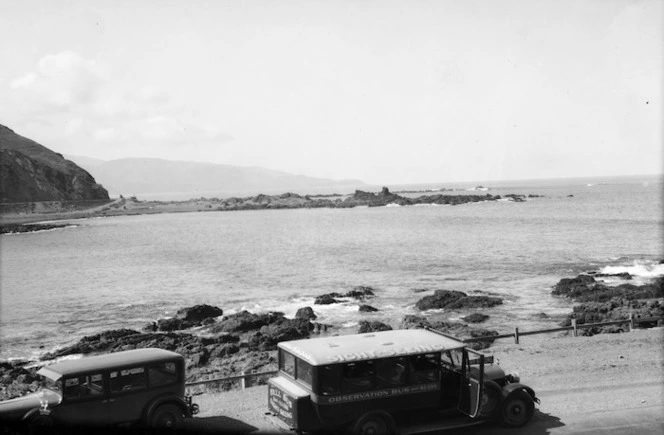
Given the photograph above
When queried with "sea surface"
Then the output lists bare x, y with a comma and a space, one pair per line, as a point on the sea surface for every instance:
123, 272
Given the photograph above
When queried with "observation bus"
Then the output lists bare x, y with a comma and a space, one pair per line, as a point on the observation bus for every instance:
144, 386
412, 380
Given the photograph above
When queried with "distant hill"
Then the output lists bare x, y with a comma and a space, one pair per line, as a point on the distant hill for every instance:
161, 178
30, 172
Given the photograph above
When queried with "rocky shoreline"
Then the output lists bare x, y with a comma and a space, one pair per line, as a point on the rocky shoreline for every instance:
20, 217
217, 346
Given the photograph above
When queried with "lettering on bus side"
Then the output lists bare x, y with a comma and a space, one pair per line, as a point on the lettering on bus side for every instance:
281, 404
340, 358
378, 394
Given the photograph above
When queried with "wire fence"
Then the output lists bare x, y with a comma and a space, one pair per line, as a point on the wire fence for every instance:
632, 322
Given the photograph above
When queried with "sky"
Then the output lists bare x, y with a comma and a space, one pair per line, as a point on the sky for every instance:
383, 91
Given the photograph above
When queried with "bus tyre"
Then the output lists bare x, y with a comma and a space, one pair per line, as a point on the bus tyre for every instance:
491, 398
166, 416
517, 409
374, 423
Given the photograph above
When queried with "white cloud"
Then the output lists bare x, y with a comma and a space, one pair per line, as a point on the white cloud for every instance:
73, 98
64, 80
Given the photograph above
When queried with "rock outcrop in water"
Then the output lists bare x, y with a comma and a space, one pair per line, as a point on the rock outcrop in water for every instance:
453, 300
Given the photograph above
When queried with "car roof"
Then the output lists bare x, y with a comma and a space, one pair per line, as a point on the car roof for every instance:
107, 361
358, 347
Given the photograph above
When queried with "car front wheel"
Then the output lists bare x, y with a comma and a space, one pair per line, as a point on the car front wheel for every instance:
166, 416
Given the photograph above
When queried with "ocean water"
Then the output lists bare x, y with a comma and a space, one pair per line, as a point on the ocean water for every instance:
123, 272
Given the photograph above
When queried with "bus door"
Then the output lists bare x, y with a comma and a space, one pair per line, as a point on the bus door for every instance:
472, 382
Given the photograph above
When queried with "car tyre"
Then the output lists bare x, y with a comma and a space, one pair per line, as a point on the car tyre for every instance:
40, 424
166, 416
517, 409
374, 423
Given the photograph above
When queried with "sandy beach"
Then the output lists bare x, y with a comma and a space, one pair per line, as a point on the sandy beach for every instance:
583, 383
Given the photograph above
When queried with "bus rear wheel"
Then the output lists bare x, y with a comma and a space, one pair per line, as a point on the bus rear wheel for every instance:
374, 423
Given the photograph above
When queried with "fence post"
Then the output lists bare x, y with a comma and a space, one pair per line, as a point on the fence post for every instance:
516, 335
631, 321
243, 384
574, 330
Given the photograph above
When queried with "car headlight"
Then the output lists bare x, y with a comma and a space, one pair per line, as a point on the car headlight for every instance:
514, 377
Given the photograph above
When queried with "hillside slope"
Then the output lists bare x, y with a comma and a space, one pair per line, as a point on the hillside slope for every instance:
30, 172
156, 176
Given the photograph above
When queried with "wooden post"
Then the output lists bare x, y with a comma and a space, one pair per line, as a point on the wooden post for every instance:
516, 335
242, 381
631, 321
574, 330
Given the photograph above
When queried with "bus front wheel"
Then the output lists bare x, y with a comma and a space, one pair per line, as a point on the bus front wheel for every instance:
517, 409
374, 423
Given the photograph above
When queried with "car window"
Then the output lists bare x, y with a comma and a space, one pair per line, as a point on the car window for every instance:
127, 379
84, 386
162, 374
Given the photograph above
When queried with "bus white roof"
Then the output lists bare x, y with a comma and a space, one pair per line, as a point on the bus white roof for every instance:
358, 347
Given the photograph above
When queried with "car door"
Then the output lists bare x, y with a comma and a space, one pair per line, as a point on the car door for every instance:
472, 384
128, 394
84, 400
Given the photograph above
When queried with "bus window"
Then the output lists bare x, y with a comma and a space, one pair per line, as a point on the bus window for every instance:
357, 376
329, 378
452, 359
162, 374
424, 368
287, 363
390, 372
127, 379
304, 372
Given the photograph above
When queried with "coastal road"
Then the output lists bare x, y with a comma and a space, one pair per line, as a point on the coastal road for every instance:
581, 411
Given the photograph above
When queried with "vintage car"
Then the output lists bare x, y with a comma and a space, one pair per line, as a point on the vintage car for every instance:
413, 380
144, 386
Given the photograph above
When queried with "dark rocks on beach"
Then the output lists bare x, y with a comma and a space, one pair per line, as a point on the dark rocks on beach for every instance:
623, 275
281, 330
366, 326
199, 313
359, 293
367, 309
455, 300
29, 228
475, 318
306, 313
600, 303
186, 318
615, 309
245, 321
584, 288
325, 299
458, 330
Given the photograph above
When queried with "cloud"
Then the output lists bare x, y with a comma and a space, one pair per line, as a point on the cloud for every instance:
75, 99
63, 80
